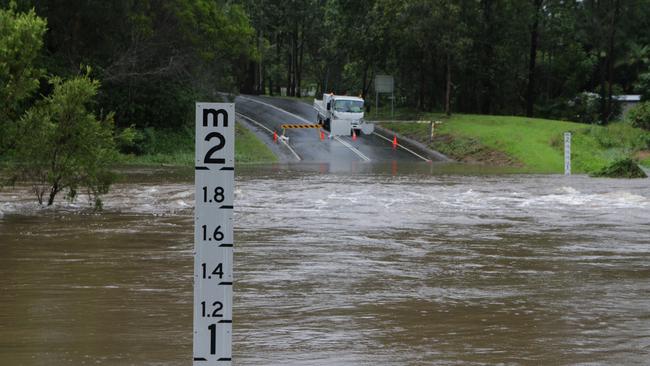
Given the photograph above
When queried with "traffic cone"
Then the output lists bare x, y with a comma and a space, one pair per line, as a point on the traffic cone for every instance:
354, 136
275, 137
322, 135
394, 142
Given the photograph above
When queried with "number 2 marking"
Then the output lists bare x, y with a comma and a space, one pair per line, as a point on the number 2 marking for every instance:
208, 156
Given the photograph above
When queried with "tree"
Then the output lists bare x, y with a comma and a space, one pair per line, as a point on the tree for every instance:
153, 57
63, 146
534, 33
20, 43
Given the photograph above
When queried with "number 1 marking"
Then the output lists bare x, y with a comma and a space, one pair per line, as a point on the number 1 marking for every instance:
213, 338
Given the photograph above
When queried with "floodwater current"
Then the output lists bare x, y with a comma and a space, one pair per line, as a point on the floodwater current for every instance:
366, 268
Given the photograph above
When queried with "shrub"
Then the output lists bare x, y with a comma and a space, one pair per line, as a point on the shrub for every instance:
586, 107
623, 168
642, 86
63, 146
640, 115
619, 135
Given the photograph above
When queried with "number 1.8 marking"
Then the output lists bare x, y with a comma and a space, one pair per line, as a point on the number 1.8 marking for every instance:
214, 196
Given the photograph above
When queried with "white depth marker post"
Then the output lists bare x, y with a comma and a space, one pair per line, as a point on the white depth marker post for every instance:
567, 153
214, 179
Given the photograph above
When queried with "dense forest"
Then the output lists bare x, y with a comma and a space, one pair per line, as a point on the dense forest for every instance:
547, 58
84, 83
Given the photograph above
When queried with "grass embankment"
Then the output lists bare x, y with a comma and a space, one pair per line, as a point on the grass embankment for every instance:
533, 144
170, 147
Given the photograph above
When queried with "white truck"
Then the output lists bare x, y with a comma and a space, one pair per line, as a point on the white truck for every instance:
341, 114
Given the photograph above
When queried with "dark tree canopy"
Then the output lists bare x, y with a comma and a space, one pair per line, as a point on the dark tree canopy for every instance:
534, 57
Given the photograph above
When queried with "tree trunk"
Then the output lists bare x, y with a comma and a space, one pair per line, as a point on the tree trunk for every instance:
448, 88
610, 61
421, 88
53, 193
301, 50
486, 82
294, 58
260, 81
326, 80
290, 67
367, 79
364, 80
530, 90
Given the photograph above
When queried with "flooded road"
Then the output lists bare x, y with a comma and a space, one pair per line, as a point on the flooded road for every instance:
371, 268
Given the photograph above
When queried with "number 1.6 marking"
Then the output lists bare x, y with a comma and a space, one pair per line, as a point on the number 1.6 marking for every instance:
217, 235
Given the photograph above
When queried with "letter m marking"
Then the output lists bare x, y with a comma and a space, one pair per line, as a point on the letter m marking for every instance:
215, 117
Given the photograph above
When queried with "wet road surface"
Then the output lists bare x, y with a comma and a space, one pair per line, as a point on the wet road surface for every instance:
340, 150
369, 268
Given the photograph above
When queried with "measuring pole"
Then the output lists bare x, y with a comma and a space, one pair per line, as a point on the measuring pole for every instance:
214, 180
567, 153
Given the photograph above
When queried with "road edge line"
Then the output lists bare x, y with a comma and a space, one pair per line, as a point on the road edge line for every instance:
271, 132
403, 147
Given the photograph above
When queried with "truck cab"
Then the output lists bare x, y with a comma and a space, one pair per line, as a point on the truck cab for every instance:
342, 114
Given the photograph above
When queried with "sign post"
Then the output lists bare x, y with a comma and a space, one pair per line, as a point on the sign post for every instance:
567, 153
214, 180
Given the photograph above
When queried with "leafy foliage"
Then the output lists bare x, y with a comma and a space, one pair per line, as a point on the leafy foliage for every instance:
155, 58
623, 168
493, 57
585, 107
20, 43
62, 146
640, 115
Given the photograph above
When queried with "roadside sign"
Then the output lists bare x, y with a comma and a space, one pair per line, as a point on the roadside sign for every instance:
214, 179
567, 153
384, 84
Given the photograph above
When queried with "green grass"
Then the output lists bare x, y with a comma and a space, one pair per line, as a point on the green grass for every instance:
645, 162
177, 148
534, 144
249, 149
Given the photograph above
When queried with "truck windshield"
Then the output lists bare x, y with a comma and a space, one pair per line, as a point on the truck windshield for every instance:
349, 106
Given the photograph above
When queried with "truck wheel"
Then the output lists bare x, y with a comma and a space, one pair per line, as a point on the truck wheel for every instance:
327, 124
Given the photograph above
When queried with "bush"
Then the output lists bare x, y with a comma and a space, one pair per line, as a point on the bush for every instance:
63, 146
585, 108
642, 86
623, 168
619, 135
640, 115
166, 141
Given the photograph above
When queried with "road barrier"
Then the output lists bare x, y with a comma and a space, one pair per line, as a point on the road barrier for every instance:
292, 126
301, 126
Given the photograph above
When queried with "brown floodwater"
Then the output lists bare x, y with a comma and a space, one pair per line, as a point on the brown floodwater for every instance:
377, 266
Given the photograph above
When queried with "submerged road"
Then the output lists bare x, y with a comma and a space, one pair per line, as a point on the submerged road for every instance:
337, 269
305, 144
